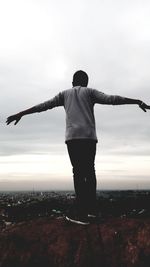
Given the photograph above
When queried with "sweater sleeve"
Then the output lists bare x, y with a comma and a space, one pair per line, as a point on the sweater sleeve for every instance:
102, 98
56, 101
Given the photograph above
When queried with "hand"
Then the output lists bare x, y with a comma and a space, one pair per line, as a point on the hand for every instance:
12, 118
143, 106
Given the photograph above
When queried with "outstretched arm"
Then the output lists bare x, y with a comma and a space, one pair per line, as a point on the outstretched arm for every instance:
141, 104
54, 102
17, 117
101, 98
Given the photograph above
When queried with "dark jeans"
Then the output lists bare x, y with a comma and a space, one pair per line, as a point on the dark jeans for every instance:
82, 157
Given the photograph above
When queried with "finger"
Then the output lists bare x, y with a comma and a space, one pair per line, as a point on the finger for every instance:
143, 108
17, 121
147, 107
8, 122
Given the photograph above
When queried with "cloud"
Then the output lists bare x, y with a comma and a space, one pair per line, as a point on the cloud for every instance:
44, 42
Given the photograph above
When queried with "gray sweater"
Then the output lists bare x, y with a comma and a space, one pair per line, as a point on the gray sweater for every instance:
78, 103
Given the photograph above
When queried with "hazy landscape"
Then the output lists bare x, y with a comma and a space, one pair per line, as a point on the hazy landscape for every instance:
23, 205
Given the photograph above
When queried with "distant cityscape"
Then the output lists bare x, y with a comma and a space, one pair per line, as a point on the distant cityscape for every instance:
19, 206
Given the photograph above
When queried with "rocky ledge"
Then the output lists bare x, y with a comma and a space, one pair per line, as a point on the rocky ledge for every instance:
52, 242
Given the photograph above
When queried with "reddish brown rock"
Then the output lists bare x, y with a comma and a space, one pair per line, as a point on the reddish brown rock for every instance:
55, 243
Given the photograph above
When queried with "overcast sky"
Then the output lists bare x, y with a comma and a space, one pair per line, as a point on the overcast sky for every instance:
43, 42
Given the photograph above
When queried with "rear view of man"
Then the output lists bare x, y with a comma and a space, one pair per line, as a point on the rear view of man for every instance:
81, 138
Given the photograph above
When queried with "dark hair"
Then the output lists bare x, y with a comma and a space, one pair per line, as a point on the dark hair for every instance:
80, 78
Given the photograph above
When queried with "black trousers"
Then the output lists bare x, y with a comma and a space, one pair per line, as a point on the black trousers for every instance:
82, 156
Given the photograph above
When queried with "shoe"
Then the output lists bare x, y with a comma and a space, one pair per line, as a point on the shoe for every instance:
77, 220
93, 216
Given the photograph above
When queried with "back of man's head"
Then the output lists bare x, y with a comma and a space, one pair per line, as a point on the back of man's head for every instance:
80, 78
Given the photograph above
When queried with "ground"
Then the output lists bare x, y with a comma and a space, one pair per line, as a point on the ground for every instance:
51, 241
34, 233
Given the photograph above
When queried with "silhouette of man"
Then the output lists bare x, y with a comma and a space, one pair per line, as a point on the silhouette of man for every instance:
81, 138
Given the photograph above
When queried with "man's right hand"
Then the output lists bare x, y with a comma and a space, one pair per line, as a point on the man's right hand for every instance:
15, 118
143, 106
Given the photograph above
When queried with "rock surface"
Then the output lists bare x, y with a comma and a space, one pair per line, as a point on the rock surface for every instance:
117, 242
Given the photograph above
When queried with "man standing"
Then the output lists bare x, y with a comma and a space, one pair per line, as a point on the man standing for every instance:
81, 137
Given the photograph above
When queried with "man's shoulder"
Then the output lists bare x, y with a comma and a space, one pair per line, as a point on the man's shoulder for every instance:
67, 90
84, 90
78, 88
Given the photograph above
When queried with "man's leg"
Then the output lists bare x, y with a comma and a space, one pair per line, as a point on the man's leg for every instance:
90, 151
82, 156
75, 150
